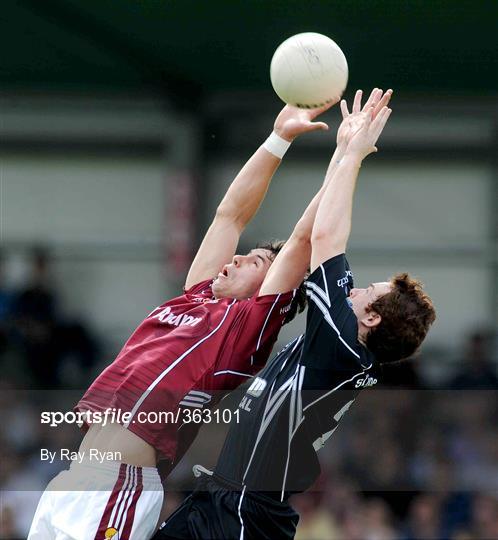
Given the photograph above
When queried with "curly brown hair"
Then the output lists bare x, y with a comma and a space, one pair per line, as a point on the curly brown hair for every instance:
406, 314
299, 301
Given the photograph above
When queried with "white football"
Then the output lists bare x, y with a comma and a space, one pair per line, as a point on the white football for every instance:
309, 70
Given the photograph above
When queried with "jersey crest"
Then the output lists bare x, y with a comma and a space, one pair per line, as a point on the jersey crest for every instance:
257, 387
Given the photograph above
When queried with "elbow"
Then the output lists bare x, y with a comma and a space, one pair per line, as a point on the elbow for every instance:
328, 242
301, 235
320, 236
226, 213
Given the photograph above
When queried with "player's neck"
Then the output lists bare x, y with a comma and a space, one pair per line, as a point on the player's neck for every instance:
362, 333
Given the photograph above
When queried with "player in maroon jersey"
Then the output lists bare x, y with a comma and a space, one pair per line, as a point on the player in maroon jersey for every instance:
183, 356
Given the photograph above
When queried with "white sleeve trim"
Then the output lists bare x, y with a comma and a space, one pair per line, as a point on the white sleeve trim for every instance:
325, 283
323, 295
232, 373
264, 326
328, 318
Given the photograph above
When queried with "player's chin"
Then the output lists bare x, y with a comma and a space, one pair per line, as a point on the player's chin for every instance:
215, 287
218, 290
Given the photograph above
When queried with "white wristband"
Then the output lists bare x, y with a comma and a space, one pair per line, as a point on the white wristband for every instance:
276, 145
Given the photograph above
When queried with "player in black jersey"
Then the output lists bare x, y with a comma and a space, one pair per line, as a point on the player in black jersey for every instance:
298, 399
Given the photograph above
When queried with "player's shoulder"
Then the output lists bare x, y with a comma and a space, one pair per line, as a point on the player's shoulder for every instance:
329, 285
334, 269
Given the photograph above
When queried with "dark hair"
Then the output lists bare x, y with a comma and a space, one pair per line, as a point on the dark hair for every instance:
299, 301
406, 314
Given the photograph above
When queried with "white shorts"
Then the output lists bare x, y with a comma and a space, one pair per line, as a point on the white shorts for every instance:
99, 501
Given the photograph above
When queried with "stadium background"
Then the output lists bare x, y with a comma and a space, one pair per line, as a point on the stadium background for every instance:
121, 125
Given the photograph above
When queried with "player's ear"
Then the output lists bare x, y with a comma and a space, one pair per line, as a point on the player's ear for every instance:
371, 319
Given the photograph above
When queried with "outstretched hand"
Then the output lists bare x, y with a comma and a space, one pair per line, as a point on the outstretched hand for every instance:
364, 139
354, 120
293, 121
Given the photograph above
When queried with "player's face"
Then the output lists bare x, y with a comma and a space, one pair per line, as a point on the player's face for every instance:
243, 276
362, 298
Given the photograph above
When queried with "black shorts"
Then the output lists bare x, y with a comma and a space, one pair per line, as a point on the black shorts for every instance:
217, 512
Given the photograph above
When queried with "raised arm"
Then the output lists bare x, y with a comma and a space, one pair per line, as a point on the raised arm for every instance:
245, 195
291, 264
332, 224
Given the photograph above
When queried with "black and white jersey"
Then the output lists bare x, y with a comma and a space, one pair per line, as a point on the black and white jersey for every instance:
295, 404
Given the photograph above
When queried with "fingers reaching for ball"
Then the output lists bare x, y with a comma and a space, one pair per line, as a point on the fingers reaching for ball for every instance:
357, 101
377, 99
373, 99
383, 101
363, 141
293, 121
308, 126
380, 121
344, 109
355, 120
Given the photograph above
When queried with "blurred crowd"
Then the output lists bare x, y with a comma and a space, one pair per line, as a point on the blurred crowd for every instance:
39, 346
413, 460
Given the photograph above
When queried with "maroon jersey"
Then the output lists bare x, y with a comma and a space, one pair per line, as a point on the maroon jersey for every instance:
186, 354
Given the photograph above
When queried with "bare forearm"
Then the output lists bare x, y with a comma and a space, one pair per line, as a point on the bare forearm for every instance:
332, 224
247, 191
304, 226
337, 156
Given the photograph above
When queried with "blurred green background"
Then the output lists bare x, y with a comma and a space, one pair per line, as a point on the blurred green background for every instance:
440, 46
